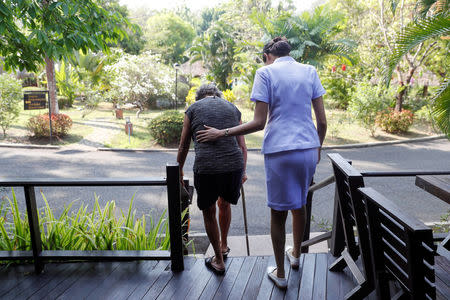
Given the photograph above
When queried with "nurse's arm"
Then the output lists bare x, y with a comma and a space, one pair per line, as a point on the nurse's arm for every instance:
321, 119
258, 123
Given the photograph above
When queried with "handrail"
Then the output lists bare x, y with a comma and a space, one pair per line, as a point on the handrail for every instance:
39, 256
402, 173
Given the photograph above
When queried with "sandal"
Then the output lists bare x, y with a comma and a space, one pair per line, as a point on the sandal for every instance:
225, 254
209, 265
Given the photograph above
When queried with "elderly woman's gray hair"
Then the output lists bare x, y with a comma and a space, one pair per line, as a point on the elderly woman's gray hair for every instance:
208, 89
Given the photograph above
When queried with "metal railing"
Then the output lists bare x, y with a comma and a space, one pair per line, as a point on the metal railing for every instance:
39, 256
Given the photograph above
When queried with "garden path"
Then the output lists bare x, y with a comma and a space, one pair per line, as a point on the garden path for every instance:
103, 132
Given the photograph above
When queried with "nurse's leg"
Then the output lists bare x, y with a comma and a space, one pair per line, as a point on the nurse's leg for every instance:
278, 235
298, 229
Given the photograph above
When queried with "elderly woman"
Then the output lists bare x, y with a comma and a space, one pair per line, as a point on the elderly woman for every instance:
286, 90
219, 167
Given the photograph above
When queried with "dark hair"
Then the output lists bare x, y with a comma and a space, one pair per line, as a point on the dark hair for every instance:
278, 46
208, 89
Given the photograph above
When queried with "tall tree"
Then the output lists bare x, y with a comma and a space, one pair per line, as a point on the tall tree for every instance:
36, 32
169, 35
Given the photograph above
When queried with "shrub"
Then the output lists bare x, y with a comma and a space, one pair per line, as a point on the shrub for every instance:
10, 98
64, 102
195, 83
166, 128
229, 96
395, 121
40, 127
366, 102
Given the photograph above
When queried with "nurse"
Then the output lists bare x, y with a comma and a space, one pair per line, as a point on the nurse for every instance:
284, 90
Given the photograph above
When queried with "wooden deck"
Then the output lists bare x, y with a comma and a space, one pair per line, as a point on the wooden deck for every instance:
245, 279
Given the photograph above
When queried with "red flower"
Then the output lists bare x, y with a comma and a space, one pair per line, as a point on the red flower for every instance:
333, 69
344, 67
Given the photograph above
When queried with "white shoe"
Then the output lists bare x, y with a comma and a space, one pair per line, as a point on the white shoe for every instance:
294, 261
281, 283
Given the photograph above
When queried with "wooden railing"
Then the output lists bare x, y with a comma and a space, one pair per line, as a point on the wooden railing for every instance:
39, 256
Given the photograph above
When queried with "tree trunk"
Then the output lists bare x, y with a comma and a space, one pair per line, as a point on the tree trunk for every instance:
51, 84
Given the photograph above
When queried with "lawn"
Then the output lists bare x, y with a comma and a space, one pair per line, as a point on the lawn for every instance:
341, 128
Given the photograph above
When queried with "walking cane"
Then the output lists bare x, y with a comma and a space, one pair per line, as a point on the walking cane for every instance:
245, 219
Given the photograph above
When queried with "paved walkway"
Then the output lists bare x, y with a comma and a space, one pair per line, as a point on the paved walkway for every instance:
104, 130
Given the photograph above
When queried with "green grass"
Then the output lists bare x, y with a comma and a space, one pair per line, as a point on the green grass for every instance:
102, 228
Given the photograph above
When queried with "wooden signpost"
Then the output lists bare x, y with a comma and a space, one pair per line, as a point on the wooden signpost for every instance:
38, 100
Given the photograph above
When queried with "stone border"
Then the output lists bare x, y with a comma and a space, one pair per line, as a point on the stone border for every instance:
349, 146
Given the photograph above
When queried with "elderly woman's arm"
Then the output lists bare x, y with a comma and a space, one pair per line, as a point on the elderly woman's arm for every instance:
321, 120
258, 123
243, 146
185, 142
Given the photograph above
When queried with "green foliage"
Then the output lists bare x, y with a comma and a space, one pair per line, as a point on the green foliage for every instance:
366, 102
229, 96
168, 35
216, 48
10, 98
166, 128
68, 84
140, 78
40, 126
99, 229
441, 107
195, 83
311, 35
339, 86
33, 30
393, 121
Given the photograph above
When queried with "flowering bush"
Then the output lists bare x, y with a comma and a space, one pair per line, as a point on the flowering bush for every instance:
166, 128
229, 96
195, 83
40, 127
140, 78
395, 121
10, 98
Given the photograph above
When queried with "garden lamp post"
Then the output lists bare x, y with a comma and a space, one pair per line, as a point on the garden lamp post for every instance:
177, 67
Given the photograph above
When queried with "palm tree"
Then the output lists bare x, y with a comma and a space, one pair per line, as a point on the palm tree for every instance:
310, 34
427, 27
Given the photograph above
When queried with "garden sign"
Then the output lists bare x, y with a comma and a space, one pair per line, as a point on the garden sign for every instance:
38, 100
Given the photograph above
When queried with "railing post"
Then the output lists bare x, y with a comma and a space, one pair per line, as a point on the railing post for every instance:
33, 222
306, 234
337, 243
174, 199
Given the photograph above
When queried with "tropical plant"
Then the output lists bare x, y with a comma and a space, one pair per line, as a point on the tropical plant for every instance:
34, 32
166, 128
216, 48
103, 228
40, 127
67, 82
140, 79
10, 97
311, 35
426, 28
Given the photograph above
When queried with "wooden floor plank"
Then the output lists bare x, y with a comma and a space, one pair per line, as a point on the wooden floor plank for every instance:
159, 285
278, 294
241, 280
35, 282
333, 281
94, 277
228, 280
146, 282
253, 284
266, 288
116, 280
200, 283
294, 281
166, 276
442, 269
181, 281
320, 277
306, 286
52, 291
215, 281
12, 275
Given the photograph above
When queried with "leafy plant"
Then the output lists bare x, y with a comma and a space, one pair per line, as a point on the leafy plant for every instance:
40, 126
10, 97
229, 96
99, 229
166, 128
395, 121
366, 102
